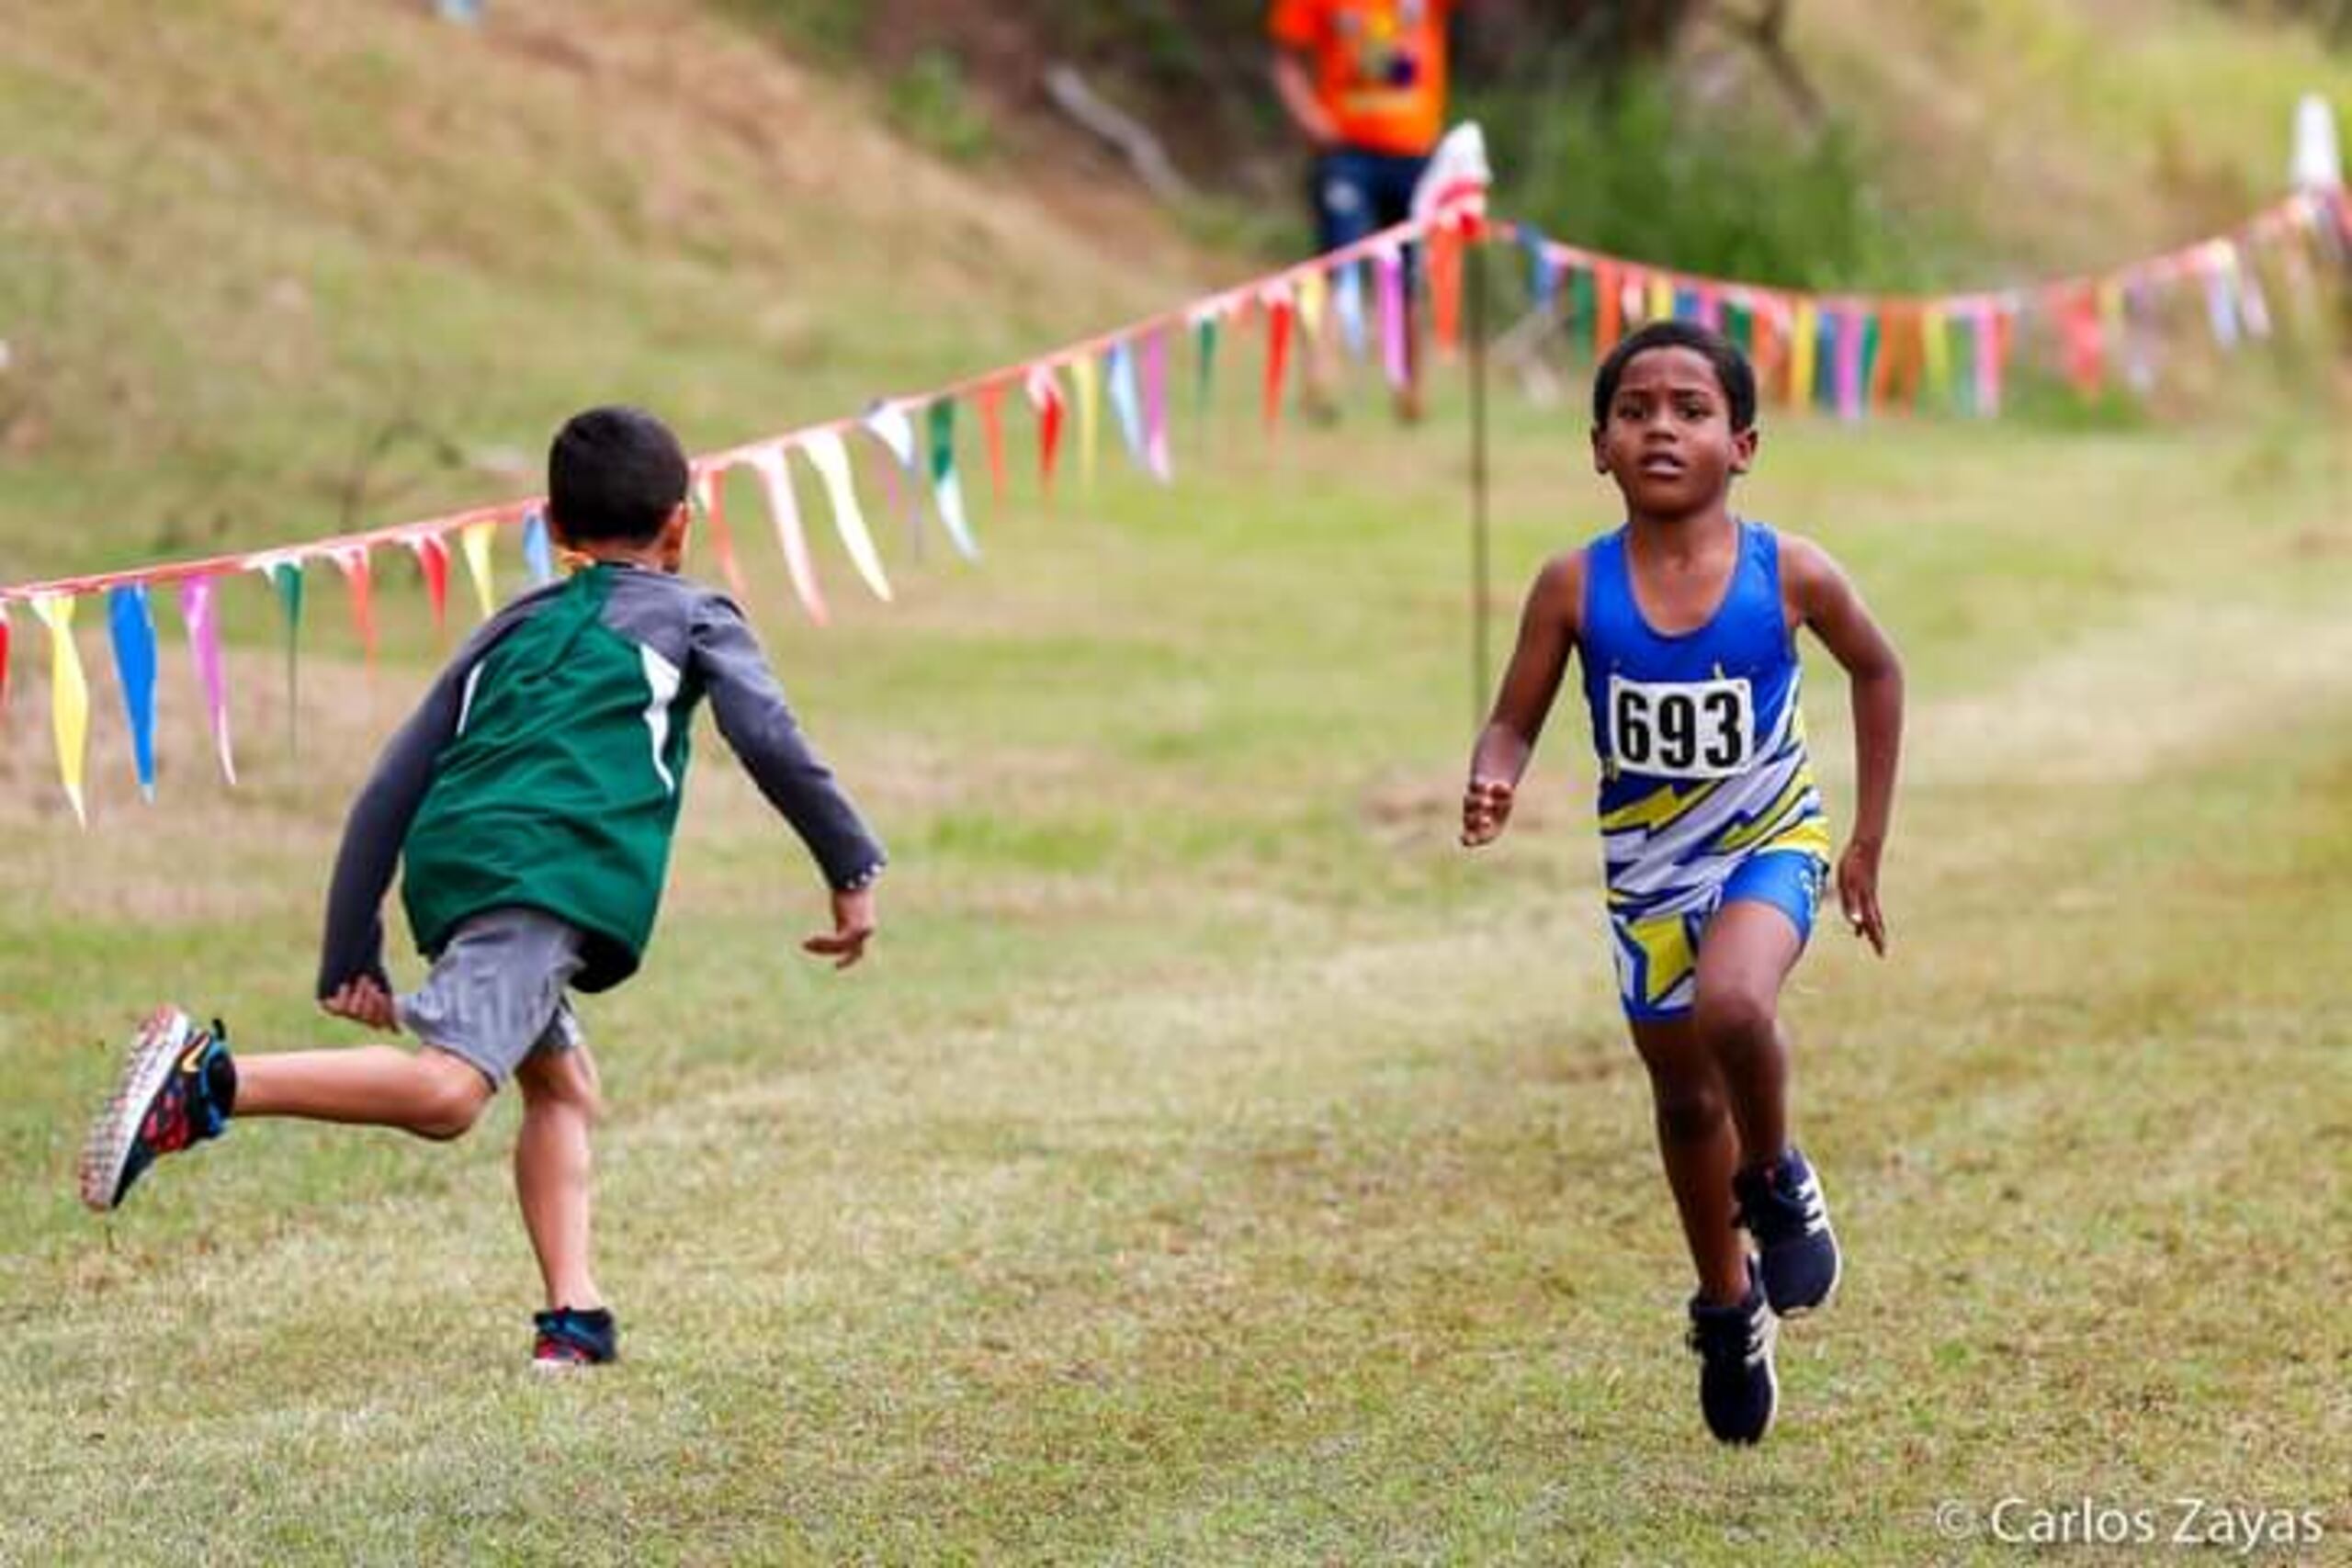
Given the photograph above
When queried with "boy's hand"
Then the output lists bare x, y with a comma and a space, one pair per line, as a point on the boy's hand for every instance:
1486, 807
1857, 893
363, 1000
853, 923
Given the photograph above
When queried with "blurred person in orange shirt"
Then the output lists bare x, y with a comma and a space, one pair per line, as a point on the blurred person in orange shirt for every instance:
1365, 82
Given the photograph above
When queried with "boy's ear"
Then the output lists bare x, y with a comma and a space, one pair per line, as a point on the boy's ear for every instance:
673, 538
1599, 452
1742, 449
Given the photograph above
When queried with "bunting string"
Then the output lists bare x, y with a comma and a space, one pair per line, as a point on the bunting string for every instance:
1848, 352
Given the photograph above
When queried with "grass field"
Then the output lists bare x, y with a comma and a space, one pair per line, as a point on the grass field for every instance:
1212, 1164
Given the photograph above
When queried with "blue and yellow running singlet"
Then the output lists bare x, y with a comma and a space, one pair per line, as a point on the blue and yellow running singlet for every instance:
1706, 791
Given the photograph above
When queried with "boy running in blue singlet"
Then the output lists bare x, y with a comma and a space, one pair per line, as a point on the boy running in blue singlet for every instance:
1711, 830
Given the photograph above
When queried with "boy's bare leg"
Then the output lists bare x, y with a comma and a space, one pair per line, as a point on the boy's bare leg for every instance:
429, 1092
1700, 1148
1744, 959
560, 1104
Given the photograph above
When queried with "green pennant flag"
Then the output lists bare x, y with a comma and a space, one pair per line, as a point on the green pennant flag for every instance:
1871, 342
1583, 306
1740, 325
287, 578
1205, 332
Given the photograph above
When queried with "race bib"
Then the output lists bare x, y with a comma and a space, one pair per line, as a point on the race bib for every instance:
1681, 729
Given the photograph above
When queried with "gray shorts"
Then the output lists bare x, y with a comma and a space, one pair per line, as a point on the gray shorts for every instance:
496, 991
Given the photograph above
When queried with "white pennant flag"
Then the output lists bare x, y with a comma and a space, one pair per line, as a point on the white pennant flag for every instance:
830, 460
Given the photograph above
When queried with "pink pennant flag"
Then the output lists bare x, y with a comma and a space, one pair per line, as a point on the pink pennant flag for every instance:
1394, 351
1710, 306
1849, 364
710, 490
1991, 327
4, 655
199, 614
433, 559
1155, 406
776, 483
360, 578
69, 696
2082, 334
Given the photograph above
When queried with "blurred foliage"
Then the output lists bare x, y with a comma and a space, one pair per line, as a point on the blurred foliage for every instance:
1633, 167
2333, 17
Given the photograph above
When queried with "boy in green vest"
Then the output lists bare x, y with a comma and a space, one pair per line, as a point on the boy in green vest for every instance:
530, 802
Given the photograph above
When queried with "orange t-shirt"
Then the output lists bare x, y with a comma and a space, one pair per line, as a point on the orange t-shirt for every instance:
1379, 66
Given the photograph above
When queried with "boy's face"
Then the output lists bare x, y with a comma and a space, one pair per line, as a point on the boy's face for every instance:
1668, 441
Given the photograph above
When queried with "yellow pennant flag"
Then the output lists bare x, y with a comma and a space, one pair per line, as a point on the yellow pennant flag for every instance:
69, 695
1805, 342
475, 539
1661, 300
1935, 333
1313, 292
1089, 377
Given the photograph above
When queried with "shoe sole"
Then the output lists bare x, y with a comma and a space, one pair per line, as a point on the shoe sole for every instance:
116, 1129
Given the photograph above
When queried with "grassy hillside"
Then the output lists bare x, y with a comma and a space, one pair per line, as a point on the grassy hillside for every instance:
1211, 1164
244, 240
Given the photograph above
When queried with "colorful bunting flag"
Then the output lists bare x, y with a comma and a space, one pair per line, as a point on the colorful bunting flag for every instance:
1126, 401
1395, 351
1608, 320
1347, 294
770, 466
132, 631
830, 460
475, 539
1804, 336
946, 488
990, 401
432, 558
359, 576
1157, 455
285, 576
4, 655
538, 549
1044, 390
1204, 336
1083, 376
69, 696
710, 500
199, 614
1278, 318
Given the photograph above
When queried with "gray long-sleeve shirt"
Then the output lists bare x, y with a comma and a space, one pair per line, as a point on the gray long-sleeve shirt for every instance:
692, 643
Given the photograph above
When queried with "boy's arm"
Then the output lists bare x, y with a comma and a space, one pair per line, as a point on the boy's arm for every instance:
352, 948
1548, 627
759, 726
1825, 601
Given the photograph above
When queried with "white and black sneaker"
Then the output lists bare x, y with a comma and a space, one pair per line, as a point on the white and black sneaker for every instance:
1781, 1206
1738, 1390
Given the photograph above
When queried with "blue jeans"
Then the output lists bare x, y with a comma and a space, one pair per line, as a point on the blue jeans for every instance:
1359, 193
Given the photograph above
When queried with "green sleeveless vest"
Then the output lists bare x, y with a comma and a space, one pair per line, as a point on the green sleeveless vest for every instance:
561, 789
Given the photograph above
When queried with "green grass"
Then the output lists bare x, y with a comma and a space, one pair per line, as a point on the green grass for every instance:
1211, 1164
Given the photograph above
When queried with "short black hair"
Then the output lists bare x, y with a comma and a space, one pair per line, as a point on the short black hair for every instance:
1733, 373
615, 473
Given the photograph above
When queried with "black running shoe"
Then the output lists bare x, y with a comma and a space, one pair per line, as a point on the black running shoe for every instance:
1737, 1388
176, 1090
1781, 1205
570, 1337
